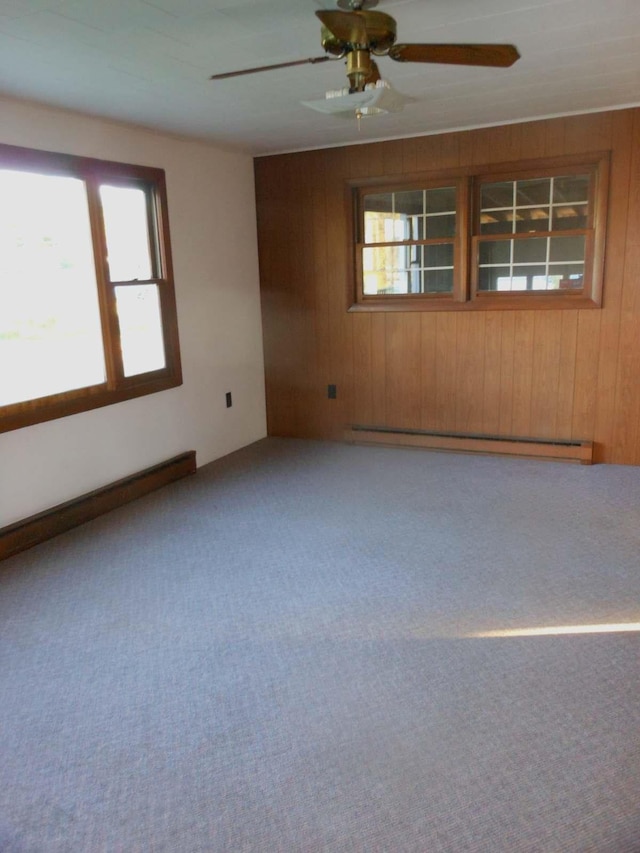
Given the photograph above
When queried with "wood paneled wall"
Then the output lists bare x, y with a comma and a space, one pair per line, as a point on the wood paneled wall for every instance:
565, 374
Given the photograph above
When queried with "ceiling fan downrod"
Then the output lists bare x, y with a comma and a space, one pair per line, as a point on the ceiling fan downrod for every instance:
359, 69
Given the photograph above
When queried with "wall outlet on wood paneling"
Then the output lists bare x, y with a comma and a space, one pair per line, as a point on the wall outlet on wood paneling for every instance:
332, 392
228, 399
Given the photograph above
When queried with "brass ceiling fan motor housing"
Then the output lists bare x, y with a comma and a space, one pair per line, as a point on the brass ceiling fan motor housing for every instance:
356, 35
373, 31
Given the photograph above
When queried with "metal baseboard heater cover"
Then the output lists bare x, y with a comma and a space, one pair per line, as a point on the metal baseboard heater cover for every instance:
569, 450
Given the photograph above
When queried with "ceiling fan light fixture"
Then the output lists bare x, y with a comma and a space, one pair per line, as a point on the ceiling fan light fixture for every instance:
377, 99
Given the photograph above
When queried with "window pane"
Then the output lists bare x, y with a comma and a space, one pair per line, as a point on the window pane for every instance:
376, 260
384, 269
530, 251
438, 281
379, 203
414, 255
373, 228
571, 188
441, 200
140, 328
495, 252
417, 228
127, 230
532, 277
567, 249
384, 282
50, 333
497, 195
409, 203
443, 225
530, 219
535, 191
382, 258
494, 278
386, 227
414, 281
392, 282
566, 276
440, 255
496, 222
413, 227
566, 216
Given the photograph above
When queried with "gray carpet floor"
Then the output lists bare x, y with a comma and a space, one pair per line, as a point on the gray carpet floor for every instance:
285, 652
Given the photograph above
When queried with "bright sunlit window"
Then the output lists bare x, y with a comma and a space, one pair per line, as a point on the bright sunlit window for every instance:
50, 337
87, 308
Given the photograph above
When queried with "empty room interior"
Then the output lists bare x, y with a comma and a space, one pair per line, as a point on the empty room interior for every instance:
320, 426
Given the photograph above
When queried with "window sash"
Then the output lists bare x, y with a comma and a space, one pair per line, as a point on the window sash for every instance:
548, 263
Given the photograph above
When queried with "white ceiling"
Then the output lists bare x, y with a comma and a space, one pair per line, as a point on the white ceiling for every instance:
148, 62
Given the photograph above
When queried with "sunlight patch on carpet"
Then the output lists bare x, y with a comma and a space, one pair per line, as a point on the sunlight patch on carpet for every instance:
555, 630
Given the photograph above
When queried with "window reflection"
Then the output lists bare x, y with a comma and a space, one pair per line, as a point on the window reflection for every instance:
530, 208
424, 221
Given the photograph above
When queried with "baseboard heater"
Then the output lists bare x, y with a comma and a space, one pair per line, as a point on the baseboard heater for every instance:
45, 525
569, 450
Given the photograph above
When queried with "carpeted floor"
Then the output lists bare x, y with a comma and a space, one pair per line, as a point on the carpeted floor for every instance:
285, 654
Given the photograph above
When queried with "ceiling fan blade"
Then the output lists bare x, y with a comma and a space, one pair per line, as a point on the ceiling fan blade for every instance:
494, 55
313, 60
347, 27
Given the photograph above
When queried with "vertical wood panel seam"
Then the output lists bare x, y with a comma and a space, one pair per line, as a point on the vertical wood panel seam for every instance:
633, 158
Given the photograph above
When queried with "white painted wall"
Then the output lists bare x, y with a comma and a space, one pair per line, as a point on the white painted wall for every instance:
213, 237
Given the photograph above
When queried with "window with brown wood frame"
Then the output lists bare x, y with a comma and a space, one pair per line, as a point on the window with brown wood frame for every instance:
524, 235
87, 302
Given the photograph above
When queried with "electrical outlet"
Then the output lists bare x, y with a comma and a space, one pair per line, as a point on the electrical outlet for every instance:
228, 399
332, 392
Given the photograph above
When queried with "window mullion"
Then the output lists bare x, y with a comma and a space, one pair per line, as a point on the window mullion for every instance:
157, 270
462, 281
106, 291
551, 227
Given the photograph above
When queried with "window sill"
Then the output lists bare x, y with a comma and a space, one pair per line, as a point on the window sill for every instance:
482, 302
83, 400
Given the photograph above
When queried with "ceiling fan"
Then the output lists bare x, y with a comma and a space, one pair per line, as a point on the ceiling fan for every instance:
353, 32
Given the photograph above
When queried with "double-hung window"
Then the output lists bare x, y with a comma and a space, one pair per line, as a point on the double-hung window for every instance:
522, 236
534, 233
409, 242
87, 305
